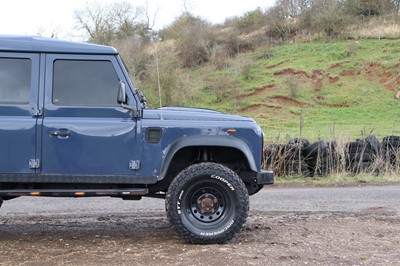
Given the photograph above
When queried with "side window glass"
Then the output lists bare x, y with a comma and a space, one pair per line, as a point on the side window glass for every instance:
15, 80
84, 83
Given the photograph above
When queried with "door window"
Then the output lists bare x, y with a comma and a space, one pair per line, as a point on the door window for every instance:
84, 83
15, 80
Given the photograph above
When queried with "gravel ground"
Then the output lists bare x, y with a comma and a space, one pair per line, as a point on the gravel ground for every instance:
286, 226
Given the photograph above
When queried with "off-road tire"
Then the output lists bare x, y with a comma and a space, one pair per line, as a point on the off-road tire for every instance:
374, 144
299, 142
356, 157
391, 139
313, 149
359, 150
207, 203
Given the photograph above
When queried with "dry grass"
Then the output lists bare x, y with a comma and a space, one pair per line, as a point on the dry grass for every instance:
379, 28
338, 160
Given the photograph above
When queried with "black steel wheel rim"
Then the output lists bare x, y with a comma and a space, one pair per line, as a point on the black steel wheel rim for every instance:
202, 215
207, 204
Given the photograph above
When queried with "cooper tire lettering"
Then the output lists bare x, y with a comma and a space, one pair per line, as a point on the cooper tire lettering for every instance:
207, 203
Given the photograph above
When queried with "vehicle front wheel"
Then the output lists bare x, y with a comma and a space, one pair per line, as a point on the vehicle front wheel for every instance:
207, 203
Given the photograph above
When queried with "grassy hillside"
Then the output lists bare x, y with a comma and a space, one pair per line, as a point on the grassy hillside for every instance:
338, 89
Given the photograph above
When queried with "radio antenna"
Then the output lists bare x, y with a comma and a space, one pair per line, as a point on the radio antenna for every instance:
158, 81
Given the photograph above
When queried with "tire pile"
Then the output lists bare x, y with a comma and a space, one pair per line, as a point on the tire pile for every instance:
391, 151
362, 155
286, 160
321, 158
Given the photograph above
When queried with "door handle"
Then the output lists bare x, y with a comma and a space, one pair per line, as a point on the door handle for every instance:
61, 133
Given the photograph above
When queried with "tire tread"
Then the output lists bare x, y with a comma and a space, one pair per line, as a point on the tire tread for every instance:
184, 177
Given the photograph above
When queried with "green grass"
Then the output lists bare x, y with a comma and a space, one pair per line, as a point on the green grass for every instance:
357, 102
338, 88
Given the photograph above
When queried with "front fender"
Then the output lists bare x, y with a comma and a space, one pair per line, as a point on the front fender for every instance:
209, 141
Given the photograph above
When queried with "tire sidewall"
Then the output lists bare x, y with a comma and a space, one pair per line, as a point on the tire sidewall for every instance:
224, 182
224, 222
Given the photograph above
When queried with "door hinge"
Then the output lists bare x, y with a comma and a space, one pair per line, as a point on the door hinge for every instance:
134, 165
36, 111
34, 163
135, 113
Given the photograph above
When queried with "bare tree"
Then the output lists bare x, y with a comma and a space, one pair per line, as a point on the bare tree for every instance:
188, 6
145, 29
104, 23
150, 19
52, 31
367, 8
280, 23
292, 9
396, 4
93, 20
329, 16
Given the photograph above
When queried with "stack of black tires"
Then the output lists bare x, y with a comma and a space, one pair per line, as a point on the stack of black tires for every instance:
391, 151
286, 160
295, 163
322, 157
362, 155
300, 158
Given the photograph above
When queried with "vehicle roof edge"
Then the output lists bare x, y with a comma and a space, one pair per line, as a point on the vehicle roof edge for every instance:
21, 43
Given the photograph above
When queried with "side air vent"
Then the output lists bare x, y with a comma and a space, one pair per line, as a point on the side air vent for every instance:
153, 135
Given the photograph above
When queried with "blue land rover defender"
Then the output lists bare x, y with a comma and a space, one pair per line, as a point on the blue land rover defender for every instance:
72, 124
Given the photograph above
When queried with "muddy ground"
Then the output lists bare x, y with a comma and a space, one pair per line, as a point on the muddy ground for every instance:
321, 229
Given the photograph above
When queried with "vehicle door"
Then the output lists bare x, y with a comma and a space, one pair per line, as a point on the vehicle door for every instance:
85, 130
19, 81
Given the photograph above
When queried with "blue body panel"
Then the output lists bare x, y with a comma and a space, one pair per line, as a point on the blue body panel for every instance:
17, 142
186, 123
46, 45
104, 141
18, 127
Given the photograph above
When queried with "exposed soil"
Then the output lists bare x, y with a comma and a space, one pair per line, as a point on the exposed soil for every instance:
289, 101
317, 74
338, 65
336, 105
258, 91
258, 106
318, 85
348, 73
369, 236
317, 77
269, 238
290, 71
389, 87
387, 77
333, 79
255, 92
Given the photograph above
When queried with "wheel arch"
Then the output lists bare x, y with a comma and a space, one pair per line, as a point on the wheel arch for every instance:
207, 141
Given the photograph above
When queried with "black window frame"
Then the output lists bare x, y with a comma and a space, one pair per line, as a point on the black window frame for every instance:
68, 102
29, 87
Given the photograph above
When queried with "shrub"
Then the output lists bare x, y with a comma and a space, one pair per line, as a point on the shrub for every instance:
194, 39
327, 16
250, 21
135, 55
